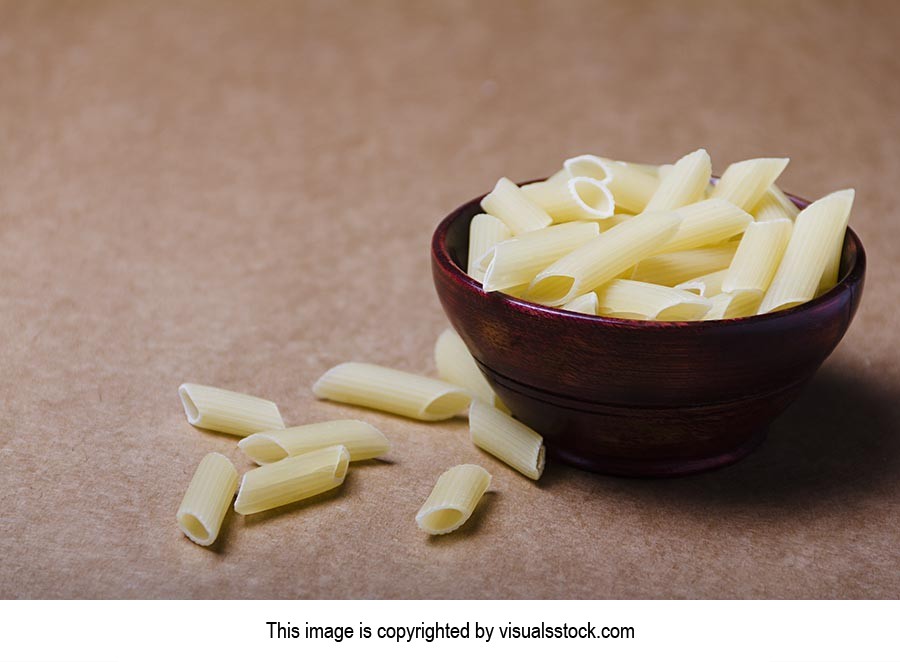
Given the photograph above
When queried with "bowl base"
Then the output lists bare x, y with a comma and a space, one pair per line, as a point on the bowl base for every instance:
658, 467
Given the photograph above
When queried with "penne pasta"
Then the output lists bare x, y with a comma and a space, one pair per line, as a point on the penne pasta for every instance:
508, 203
587, 165
507, 439
631, 187
393, 391
744, 183
603, 258
606, 223
456, 365
216, 409
485, 232
670, 269
292, 479
758, 256
728, 305
817, 230
558, 176
586, 303
624, 298
774, 204
207, 499
684, 184
573, 199
705, 286
518, 260
362, 441
705, 223
453, 499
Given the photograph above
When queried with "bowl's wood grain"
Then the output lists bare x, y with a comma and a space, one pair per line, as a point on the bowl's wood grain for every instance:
641, 398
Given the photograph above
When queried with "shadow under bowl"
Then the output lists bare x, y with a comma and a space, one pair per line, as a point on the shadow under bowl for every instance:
641, 398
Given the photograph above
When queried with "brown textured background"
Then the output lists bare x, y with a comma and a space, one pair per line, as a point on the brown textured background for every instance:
243, 195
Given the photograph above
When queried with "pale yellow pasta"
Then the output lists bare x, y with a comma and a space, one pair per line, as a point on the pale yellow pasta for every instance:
508, 203
631, 187
606, 223
292, 479
586, 303
453, 499
623, 298
207, 499
707, 286
774, 204
603, 258
587, 165
362, 441
558, 176
216, 409
727, 305
670, 269
744, 183
393, 391
758, 256
518, 260
507, 439
707, 222
456, 365
485, 232
573, 199
817, 230
684, 184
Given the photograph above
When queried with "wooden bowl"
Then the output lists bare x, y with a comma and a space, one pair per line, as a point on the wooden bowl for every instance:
641, 398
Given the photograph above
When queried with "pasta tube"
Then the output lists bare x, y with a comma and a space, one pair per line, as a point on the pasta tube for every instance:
519, 260
705, 286
226, 411
707, 222
292, 479
393, 391
587, 165
586, 303
758, 256
744, 183
576, 198
631, 187
485, 232
628, 297
774, 204
728, 305
817, 230
507, 439
456, 365
670, 269
510, 205
603, 258
453, 499
684, 184
362, 441
207, 499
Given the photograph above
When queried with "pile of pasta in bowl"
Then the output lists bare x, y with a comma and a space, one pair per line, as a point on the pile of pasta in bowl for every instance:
644, 242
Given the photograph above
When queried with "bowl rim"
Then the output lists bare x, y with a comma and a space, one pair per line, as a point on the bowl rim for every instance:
441, 256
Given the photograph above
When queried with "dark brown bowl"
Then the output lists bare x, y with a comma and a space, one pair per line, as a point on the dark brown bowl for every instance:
639, 398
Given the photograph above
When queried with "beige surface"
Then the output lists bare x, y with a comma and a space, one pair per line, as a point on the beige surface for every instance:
243, 195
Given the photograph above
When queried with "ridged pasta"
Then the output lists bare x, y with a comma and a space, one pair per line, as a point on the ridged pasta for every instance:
453, 499
603, 258
587, 165
507, 439
586, 303
744, 183
456, 365
670, 269
758, 256
292, 479
217, 409
728, 305
707, 285
774, 204
393, 391
518, 260
485, 232
573, 199
362, 441
705, 223
624, 298
631, 187
817, 230
684, 184
508, 203
206, 501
